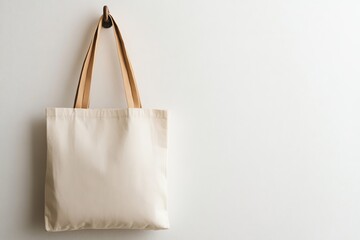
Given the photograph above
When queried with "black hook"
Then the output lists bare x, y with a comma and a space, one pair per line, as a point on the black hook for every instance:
106, 20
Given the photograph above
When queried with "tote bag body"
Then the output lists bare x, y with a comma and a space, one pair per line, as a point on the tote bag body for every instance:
106, 168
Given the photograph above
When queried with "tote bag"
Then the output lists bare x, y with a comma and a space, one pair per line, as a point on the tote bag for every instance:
106, 168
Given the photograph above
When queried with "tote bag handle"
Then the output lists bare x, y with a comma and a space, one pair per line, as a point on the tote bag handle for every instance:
83, 89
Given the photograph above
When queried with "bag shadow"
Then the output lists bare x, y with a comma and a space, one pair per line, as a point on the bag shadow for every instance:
38, 141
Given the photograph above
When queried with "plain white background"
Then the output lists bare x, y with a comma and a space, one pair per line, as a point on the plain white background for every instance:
264, 130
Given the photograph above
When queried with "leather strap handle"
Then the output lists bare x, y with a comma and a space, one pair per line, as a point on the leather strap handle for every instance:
83, 90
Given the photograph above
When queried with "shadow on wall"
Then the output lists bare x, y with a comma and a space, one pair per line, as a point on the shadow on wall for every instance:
38, 140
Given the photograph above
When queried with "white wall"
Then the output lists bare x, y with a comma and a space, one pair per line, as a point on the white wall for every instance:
264, 102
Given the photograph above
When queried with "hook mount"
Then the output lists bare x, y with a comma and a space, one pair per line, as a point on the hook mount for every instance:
106, 20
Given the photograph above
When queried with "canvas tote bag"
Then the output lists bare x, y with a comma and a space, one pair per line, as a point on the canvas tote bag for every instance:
106, 168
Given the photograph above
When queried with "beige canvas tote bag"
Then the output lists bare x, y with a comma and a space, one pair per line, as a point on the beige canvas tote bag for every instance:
106, 168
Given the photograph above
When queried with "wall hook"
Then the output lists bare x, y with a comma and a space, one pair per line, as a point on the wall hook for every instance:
106, 20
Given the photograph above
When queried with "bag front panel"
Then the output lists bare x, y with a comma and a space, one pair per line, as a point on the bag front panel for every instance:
106, 168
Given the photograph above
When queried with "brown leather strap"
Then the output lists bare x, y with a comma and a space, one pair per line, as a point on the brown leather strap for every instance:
83, 91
